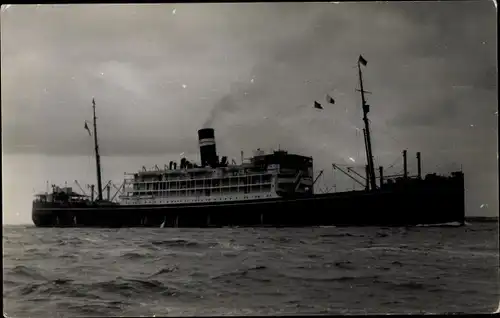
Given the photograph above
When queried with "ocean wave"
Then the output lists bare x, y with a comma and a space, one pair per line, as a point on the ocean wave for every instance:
230, 254
26, 272
241, 273
344, 265
68, 255
409, 285
99, 308
282, 239
342, 278
472, 253
228, 245
58, 287
165, 270
129, 287
135, 255
73, 241
340, 235
449, 224
142, 272
381, 248
382, 234
178, 243
91, 240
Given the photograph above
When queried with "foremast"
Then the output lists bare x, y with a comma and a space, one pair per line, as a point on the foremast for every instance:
97, 156
368, 144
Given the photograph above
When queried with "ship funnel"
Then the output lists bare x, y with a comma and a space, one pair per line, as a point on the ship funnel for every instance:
208, 152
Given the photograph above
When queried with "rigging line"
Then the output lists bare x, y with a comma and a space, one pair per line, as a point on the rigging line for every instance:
394, 163
357, 142
385, 131
401, 172
375, 162
345, 165
90, 156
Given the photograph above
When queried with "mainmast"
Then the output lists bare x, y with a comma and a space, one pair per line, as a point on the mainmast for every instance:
97, 157
368, 144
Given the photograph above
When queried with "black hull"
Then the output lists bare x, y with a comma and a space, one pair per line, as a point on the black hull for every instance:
442, 203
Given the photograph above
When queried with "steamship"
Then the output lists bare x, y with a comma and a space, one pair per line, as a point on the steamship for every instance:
270, 189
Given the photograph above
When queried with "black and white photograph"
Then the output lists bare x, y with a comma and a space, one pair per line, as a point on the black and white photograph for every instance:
249, 158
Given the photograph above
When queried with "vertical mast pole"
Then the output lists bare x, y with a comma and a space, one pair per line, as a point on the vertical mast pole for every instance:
97, 156
366, 109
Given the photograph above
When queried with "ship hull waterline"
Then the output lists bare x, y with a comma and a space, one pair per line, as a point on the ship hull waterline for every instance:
354, 208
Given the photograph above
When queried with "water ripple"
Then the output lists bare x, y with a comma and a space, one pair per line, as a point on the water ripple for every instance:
145, 272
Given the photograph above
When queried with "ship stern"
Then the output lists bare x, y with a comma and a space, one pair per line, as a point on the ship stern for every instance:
41, 216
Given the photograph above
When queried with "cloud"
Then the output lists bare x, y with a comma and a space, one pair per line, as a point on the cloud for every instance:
431, 67
136, 58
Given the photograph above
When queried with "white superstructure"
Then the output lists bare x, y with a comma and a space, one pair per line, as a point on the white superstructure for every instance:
200, 185
265, 176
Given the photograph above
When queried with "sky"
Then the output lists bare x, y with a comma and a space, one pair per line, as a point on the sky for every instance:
251, 71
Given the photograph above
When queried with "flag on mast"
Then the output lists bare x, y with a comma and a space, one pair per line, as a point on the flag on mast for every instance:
317, 105
330, 99
362, 60
87, 127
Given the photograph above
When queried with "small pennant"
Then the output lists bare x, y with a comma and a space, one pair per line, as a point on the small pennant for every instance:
87, 127
330, 99
362, 60
317, 105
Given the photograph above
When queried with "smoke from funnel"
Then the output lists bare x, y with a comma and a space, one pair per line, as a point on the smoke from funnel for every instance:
225, 105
